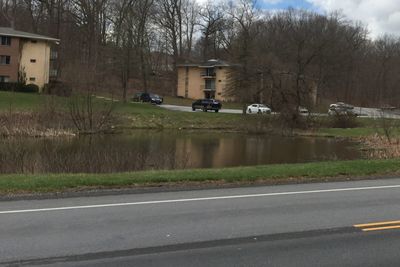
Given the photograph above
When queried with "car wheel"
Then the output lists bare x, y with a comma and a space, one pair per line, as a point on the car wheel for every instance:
249, 111
216, 111
204, 109
259, 111
193, 109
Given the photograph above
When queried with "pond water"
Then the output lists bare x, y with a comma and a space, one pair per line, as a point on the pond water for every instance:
143, 150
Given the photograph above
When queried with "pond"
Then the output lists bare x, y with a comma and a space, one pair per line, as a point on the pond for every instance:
144, 150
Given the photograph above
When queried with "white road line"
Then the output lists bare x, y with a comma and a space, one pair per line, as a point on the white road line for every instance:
201, 199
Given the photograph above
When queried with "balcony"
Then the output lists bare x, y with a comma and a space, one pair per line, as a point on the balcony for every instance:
207, 88
208, 75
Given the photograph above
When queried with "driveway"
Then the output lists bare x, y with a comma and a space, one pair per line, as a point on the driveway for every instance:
189, 109
377, 113
363, 112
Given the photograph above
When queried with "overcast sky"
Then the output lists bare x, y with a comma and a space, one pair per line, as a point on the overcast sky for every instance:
380, 16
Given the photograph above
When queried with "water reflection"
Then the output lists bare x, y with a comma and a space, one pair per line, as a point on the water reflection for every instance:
241, 150
141, 150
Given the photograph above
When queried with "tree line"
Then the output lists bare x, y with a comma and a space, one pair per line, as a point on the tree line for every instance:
288, 58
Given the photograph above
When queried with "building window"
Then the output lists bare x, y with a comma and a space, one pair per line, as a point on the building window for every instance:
210, 84
4, 79
210, 72
33, 60
32, 79
5, 60
53, 55
53, 73
5, 40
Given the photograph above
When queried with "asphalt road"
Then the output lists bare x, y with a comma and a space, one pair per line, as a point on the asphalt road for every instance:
189, 109
292, 225
363, 112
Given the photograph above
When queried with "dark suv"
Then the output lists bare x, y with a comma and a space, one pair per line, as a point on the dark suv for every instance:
206, 104
148, 97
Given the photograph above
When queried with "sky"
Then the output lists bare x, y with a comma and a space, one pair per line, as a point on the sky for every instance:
379, 16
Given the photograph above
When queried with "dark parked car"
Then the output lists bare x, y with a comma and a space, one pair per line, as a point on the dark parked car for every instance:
206, 104
148, 97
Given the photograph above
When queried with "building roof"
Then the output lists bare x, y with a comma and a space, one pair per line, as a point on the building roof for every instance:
5, 31
208, 64
214, 63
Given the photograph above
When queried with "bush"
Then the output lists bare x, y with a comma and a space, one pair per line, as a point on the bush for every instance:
29, 88
19, 87
57, 88
343, 121
16, 87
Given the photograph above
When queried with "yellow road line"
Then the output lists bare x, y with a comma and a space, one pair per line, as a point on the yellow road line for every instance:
381, 228
376, 224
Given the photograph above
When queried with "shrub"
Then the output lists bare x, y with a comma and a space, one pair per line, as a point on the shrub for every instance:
343, 121
19, 87
57, 88
29, 88
11, 86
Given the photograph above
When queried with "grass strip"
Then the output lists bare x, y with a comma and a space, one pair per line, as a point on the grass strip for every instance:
13, 184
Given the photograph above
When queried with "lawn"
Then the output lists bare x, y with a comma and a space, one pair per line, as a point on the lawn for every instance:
20, 101
134, 115
348, 132
319, 171
142, 115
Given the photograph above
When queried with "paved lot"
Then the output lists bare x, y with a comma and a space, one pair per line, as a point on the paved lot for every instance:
189, 109
363, 112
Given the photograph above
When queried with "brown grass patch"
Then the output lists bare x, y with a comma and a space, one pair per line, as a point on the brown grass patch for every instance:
379, 147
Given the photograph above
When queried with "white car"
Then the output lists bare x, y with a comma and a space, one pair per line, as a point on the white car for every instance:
341, 108
258, 109
304, 111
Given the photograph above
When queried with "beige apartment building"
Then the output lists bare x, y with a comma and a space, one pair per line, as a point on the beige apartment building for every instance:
206, 80
26, 56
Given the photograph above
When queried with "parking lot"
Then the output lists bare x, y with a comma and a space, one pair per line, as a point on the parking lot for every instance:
189, 109
362, 112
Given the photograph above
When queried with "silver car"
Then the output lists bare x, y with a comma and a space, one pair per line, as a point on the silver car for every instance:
341, 108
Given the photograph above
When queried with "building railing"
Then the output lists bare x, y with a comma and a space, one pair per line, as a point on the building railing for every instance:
208, 88
208, 74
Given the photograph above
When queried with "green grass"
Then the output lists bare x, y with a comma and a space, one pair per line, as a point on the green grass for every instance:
142, 115
134, 115
355, 132
20, 101
10, 184
350, 132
